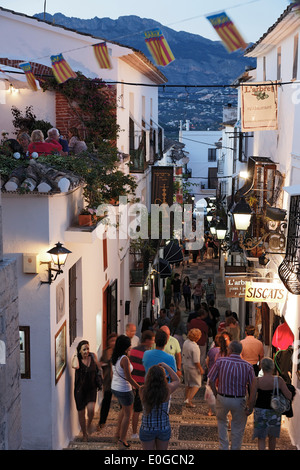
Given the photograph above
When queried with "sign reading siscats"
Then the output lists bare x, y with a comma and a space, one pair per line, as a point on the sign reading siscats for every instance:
265, 292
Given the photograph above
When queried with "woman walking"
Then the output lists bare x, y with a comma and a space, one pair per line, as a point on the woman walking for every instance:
267, 422
186, 291
198, 292
192, 368
178, 327
85, 389
155, 430
121, 386
105, 361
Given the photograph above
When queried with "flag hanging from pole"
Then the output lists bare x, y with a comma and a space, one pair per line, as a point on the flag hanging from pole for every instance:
61, 69
26, 67
227, 31
158, 47
102, 55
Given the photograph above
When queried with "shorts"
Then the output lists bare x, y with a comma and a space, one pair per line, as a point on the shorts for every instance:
137, 404
148, 436
124, 398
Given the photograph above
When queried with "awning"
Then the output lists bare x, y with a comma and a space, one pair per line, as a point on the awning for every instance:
164, 268
173, 252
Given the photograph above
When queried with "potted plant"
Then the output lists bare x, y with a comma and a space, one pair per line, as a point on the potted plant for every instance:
87, 217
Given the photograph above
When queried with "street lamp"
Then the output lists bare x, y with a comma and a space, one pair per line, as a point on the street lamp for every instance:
221, 229
212, 228
59, 256
242, 215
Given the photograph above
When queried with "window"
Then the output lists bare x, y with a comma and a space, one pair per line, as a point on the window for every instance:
212, 155
24, 333
295, 57
72, 303
264, 68
104, 245
279, 63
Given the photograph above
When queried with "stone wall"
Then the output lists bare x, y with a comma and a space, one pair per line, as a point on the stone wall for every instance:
10, 387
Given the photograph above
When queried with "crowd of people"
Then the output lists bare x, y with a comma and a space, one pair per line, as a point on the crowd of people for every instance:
143, 372
32, 146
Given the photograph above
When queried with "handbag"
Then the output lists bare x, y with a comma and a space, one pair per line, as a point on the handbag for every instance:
279, 403
99, 378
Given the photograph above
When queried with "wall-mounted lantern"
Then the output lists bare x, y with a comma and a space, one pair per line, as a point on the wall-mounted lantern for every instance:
59, 256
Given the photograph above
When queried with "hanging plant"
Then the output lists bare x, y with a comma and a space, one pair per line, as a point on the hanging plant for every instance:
93, 102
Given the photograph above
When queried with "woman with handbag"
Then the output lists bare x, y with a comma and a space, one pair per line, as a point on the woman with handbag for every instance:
267, 421
121, 386
86, 368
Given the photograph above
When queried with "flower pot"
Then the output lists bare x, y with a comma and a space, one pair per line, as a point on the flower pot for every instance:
85, 220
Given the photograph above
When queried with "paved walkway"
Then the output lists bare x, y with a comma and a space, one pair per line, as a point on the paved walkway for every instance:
192, 429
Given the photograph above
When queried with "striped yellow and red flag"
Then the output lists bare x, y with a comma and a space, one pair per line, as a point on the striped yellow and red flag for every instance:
102, 55
61, 69
158, 47
227, 31
26, 67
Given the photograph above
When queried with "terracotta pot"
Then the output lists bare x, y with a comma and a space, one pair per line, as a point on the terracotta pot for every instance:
85, 220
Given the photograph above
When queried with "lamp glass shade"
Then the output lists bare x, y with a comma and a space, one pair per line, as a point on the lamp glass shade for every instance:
59, 254
221, 230
242, 221
221, 233
213, 229
209, 218
242, 215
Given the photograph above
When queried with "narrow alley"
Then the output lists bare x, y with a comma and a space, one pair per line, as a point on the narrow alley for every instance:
192, 428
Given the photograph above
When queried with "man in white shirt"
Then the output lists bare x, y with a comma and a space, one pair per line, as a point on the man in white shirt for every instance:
173, 347
131, 333
253, 350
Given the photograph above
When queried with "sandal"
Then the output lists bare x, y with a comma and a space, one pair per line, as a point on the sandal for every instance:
124, 444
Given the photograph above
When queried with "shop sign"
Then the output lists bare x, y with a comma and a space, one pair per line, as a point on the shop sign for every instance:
235, 286
259, 107
265, 292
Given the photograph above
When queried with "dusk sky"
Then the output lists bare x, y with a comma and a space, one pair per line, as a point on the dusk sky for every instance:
251, 17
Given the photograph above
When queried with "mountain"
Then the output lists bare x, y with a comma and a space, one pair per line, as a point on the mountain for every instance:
198, 61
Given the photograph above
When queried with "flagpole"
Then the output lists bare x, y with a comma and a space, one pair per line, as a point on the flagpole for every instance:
45, 10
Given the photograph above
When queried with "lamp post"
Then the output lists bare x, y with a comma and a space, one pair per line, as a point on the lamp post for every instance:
221, 229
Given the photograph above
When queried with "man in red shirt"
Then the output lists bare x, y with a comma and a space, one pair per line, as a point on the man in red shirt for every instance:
199, 323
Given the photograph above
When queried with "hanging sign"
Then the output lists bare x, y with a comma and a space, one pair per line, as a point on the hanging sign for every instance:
162, 185
265, 292
259, 107
235, 287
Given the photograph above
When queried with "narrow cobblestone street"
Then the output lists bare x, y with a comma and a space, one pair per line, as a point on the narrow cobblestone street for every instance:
192, 428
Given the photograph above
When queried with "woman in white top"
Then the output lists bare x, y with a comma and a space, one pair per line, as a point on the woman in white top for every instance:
121, 386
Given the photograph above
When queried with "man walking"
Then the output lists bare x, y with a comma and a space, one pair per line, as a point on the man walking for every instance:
233, 375
158, 355
210, 290
253, 350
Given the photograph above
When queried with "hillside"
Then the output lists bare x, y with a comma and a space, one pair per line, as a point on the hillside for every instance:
198, 61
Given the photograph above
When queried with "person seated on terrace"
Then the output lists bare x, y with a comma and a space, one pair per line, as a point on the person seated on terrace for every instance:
39, 145
54, 136
76, 146
24, 140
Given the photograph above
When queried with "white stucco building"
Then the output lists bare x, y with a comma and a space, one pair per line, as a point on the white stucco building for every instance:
273, 158
93, 296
